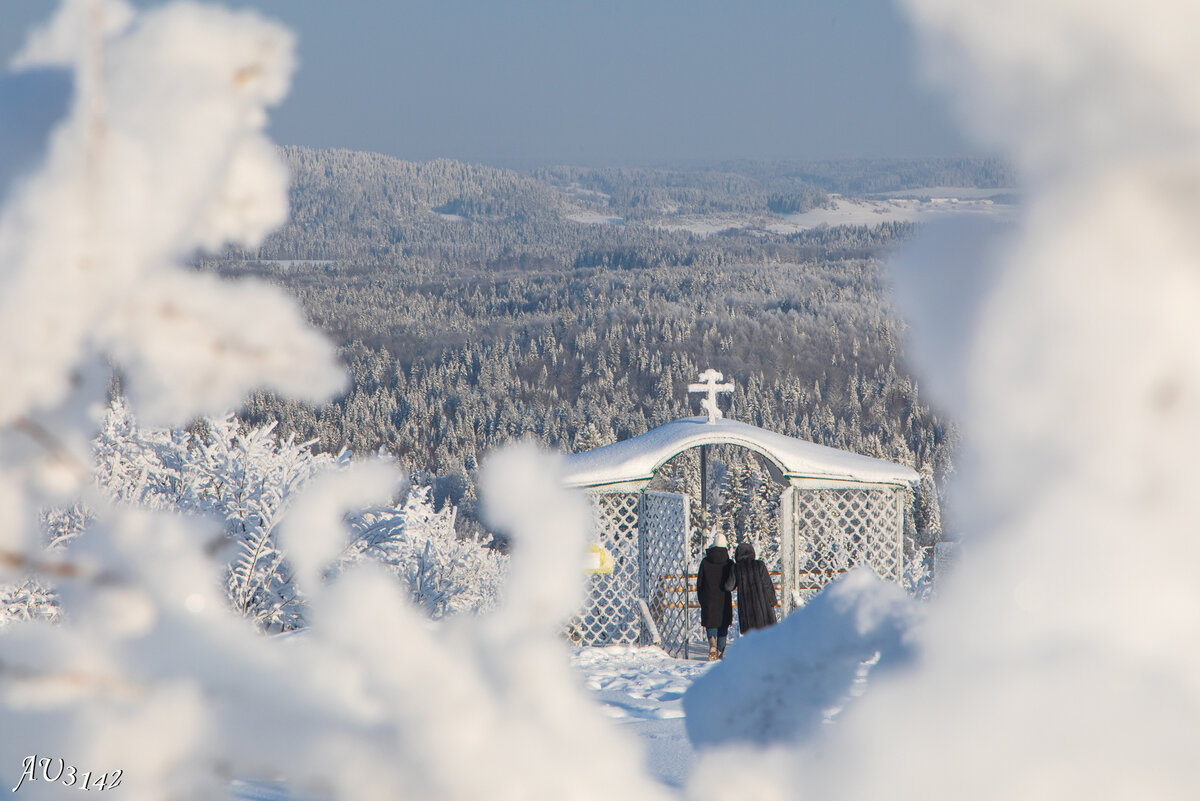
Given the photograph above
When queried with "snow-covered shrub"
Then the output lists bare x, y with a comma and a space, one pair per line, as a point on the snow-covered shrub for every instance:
33, 598
248, 478
917, 575
245, 478
30, 599
150, 674
444, 574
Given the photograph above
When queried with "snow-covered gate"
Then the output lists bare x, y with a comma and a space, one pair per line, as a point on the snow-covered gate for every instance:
646, 537
839, 510
612, 614
665, 584
823, 532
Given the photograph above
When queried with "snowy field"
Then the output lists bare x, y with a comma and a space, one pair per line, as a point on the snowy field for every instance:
869, 212
918, 205
594, 218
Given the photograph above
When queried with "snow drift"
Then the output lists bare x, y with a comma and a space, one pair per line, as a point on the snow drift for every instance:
1060, 661
779, 684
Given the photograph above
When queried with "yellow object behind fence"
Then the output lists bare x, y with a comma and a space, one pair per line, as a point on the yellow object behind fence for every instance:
599, 560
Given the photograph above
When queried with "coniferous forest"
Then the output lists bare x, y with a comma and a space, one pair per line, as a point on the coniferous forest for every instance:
476, 306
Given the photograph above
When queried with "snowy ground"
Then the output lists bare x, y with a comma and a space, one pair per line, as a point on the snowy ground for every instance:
643, 689
640, 687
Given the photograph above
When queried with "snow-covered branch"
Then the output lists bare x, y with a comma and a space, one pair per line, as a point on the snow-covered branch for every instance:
152, 671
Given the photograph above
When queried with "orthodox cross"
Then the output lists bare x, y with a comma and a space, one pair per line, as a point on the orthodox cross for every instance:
710, 377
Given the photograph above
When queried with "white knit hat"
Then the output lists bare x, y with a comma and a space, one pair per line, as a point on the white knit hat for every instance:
719, 541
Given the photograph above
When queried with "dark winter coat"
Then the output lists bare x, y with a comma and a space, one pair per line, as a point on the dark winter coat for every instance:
756, 593
714, 584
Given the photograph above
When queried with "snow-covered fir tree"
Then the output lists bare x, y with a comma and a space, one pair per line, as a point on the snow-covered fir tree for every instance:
444, 573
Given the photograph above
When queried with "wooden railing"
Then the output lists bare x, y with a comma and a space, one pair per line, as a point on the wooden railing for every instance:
671, 583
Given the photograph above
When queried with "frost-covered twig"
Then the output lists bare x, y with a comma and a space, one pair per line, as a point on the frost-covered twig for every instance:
91, 254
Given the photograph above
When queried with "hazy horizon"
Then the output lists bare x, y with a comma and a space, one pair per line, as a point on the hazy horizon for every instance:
537, 82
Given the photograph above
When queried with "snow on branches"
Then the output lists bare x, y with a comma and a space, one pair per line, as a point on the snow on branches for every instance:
244, 482
153, 668
444, 574
248, 480
245, 479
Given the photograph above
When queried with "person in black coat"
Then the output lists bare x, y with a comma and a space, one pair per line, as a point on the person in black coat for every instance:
756, 593
714, 588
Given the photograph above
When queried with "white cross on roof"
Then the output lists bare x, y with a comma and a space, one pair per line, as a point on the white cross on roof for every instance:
710, 377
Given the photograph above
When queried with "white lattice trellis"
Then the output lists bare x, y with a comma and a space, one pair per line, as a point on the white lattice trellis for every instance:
838, 510
665, 560
834, 530
612, 615
839, 529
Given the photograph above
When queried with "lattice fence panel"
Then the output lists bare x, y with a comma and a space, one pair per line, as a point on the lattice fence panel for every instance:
839, 529
611, 614
664, 526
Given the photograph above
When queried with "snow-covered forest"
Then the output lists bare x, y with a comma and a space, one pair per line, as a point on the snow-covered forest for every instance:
426, 216
159, 547
515, 322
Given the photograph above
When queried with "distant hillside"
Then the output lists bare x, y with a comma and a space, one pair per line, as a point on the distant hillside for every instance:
475, 306
351, 205
874, 176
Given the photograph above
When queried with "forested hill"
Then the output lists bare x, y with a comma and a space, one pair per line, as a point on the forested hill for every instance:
353, 205
476, 306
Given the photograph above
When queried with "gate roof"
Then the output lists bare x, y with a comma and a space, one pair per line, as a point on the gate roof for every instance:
631, 463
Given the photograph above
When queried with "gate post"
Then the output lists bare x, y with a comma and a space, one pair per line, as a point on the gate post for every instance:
788, 578
686, 550
901, 498
643, 579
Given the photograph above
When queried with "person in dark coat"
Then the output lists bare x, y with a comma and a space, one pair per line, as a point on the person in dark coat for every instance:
756, 593
714, 588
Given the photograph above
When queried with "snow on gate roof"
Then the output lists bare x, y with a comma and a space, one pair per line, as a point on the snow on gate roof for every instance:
632, 462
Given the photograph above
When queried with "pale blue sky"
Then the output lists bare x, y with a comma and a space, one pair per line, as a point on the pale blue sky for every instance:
599, 83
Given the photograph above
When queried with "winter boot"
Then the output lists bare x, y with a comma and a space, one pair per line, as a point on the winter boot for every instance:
720, 653
712, 649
